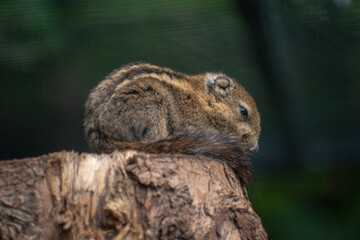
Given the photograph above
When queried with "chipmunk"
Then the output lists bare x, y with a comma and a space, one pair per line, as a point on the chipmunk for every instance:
157, 110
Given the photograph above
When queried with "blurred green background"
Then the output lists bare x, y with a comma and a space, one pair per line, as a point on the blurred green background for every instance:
300, 59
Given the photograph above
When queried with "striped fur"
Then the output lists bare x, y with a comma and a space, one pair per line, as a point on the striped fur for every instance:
157, 110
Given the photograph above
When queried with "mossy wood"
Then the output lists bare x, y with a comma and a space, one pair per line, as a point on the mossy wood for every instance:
127, 195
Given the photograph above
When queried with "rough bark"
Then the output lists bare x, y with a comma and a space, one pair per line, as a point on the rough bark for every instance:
128, 195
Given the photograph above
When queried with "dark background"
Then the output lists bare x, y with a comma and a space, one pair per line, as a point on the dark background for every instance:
299, 59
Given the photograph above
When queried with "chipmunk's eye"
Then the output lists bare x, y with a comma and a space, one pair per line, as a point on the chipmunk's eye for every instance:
244, 113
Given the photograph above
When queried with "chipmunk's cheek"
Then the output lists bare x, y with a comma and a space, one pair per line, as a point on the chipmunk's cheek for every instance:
245, 138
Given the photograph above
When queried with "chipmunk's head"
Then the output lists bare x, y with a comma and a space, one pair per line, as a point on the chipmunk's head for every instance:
239, 108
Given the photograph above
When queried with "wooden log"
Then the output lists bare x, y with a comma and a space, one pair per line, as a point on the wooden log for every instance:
124, 195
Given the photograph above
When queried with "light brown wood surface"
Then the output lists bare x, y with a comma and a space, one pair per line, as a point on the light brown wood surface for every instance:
127, 195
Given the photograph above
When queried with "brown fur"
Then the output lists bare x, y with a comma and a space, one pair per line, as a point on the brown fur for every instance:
157, 110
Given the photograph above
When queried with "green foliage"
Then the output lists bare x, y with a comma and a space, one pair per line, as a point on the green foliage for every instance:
316, 204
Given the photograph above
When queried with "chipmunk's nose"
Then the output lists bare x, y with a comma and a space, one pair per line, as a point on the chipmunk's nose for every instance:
255, 147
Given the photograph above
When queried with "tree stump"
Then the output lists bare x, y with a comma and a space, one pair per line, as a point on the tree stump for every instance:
124, 195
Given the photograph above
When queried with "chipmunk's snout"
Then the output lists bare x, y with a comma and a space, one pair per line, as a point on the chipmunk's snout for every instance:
255, 147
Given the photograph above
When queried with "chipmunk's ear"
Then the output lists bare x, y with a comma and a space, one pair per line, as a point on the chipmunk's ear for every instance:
219, 85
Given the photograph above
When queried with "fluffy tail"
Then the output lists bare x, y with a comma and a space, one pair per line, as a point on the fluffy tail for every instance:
223, 148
